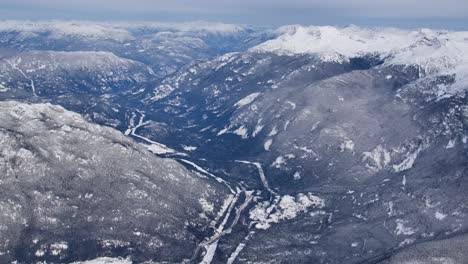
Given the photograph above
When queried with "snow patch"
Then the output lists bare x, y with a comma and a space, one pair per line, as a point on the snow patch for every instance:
236, 252
40, 253
246, 100
161, 92
267, 144
58, 248
189, 148
408, 162
347, 145
241, 131
257, 130
440, 216
376, 159
451, 144
207, 206
297, 176
279, 161
292, 104
223, 131
106, 260
285, 207
3, 89
402, 229
159, 149
273, 132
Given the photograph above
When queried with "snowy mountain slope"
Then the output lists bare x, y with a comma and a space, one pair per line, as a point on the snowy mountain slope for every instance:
205, 97
434, 52
365, 132
383, 159
283, 118
450, 250
55, 73
73, 191
349, 42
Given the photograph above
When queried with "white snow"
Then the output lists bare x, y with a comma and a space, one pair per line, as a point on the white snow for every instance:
206, 205
162, 91
58, 248
292, 104
14, 64
347, 145
212, 244
195, 26
297, 176
39, 253
337, 44
434, 52
158, 148
61, 29
267, 144
286, 125
246, 100
236, 253
200, 169
189, 148
440, 216
376, 159
283, 208
154, 147
3, 88
106, 260
408, 162
409, 241
119, 31
257, 130
279, 161
402, 229
261, 173
241, 131
273, 132
451, 143
223, 131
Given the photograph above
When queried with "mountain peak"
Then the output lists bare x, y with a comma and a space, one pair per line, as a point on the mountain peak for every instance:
434, 52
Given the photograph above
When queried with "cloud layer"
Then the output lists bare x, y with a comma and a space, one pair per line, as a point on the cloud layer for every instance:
248, 11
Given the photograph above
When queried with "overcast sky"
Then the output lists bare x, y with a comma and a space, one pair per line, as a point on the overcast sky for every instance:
450, 14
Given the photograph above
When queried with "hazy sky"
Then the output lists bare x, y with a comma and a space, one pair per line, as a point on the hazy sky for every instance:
451, 14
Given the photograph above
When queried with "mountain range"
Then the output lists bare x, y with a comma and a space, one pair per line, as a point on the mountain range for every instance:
237, 144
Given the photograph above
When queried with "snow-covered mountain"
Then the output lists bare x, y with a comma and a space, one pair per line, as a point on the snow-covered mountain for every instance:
56, 72
434, 52
362, 126
338, 145
165, 47
74, 190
